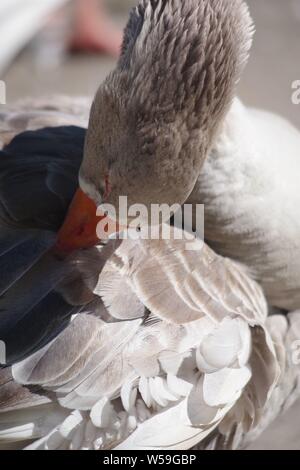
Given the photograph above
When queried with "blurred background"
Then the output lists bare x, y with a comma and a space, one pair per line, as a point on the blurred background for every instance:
35, 60
44, 66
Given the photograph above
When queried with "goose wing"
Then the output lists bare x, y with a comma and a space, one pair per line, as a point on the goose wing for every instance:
143, 380
38, 178
181, 285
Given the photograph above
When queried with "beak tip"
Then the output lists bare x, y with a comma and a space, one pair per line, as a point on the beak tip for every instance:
80, 226
79, 230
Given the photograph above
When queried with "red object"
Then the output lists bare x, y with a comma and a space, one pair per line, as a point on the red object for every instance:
80, 227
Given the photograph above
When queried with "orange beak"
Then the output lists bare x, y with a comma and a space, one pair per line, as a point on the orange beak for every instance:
80, 227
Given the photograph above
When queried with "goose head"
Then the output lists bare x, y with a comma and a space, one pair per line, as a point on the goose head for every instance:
156, 116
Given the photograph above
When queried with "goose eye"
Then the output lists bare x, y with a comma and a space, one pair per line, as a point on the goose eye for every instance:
101, 189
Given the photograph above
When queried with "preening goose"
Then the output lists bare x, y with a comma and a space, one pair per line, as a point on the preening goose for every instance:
156, 116
183, 334
142, 345
169, 108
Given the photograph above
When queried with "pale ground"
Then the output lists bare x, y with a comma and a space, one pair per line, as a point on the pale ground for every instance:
267, 83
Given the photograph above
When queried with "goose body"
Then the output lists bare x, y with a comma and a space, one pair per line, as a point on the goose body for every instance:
153, 345
146, 348
195, 142
163, 352
160, 354
249, 186
38, 179
139, 344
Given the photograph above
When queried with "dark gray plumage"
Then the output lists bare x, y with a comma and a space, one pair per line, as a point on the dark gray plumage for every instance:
38, 177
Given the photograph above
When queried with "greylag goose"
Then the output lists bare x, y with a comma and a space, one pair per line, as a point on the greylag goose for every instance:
156, 116
139, 344
162, 343
169, 108
165, 347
